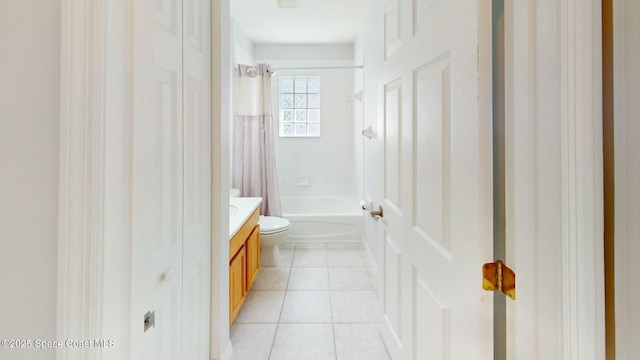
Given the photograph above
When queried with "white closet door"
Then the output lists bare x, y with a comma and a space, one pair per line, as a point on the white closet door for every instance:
165, 162
197, 179
172, 179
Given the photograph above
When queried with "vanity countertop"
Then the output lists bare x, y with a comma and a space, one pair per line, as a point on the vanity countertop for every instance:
240, 208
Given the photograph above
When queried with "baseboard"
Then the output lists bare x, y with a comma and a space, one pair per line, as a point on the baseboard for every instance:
372, 259
227, 353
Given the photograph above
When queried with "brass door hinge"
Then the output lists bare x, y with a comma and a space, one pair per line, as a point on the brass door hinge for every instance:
496, 276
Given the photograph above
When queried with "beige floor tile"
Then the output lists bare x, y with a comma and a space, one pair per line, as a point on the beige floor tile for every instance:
357, 306
349, 278
359, 342
307, 313
311, 245
344, 257
306, 307
310, 257
309, 278
366, 257
272, 278
345, 245
373, 275
286, 257
261, 307
303, 342
252, 341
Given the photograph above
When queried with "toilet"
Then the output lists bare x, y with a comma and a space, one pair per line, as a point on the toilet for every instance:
273, 231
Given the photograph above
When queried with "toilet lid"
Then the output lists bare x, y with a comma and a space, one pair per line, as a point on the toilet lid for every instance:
272, 224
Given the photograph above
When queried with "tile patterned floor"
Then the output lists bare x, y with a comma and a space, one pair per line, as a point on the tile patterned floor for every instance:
318, 303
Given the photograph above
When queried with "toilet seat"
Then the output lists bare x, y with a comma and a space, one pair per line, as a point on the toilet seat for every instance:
273, 225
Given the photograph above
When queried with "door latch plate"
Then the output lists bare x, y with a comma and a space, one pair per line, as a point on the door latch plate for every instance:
149, 320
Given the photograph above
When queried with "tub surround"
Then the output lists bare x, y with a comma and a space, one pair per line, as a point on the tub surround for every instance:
239, 211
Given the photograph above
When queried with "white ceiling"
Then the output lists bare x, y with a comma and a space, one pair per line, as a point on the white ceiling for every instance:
314, 22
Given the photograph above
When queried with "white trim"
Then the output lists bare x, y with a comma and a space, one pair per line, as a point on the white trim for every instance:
81, 197
522, 177
582, 192
228, 353
319, 68
556, 159
626, 50
622, 201
221, 105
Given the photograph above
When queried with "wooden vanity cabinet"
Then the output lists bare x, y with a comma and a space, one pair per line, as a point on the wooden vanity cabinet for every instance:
244, 263
252, 248
237, 283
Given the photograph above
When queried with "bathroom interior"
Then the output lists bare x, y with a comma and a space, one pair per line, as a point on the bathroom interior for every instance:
313, 289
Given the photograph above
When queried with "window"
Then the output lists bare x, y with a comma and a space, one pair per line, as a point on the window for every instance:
300, 106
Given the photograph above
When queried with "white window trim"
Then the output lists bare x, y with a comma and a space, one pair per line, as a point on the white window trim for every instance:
307, 122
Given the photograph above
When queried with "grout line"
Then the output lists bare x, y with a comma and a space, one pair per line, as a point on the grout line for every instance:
273, 341
333, 324
335, 346
330, 291
284, 298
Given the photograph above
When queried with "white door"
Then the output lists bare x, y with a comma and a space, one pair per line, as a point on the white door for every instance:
436, 190
158, 187
197, 180
171, 174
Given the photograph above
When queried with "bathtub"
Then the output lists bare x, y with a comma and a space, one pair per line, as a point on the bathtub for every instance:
322, 218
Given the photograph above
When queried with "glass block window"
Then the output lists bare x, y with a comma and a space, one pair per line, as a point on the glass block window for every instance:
299, 106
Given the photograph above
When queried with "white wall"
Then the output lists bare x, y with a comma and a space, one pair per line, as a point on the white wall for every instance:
327, 161
243, 48
313, 53
358, 121
29, 135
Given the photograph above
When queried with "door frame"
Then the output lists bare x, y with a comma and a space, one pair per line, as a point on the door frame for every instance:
94, 239
582, 185
627, 197
221, 105
573, 282
83, 204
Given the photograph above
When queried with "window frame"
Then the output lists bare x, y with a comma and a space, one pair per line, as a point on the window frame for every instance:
294, 102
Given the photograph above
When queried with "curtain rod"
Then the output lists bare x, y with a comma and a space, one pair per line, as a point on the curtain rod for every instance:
319, 68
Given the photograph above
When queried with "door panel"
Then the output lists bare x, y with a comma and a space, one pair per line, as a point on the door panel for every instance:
392, 28
392, 143
432, 154
392, 280
165, 128
432, 337
436, 180
197, 180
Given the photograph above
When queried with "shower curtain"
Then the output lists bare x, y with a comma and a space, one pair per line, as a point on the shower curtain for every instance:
254, 166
